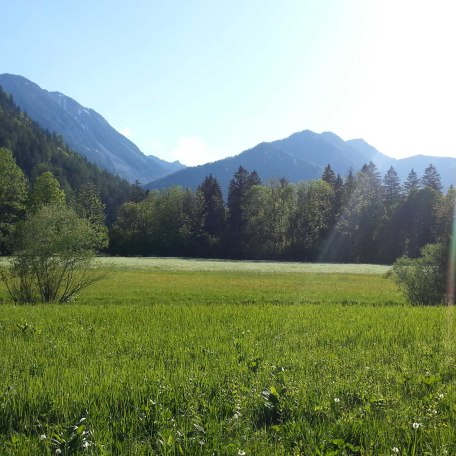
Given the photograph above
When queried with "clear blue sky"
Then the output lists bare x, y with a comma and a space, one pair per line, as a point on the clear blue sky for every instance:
199, 80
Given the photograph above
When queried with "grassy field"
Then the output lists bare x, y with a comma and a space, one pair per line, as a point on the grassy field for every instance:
229, 358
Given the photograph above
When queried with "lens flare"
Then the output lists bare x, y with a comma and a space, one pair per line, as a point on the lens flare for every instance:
452, 262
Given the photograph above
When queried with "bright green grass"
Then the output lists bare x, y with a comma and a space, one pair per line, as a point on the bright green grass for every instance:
180, 360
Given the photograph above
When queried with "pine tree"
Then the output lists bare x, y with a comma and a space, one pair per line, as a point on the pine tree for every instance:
391, 190
329, 176
412, 183
239, 186
431, 179
213, 208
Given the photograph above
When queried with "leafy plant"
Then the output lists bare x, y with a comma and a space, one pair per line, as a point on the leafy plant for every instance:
53, 262
73, 439
423, 280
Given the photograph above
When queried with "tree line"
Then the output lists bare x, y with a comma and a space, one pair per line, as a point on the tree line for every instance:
363, 217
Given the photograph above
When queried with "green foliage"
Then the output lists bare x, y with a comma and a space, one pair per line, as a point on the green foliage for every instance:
268, 211
46, 191
13, 193
73, 439
311, 215
54, 250
90, 207
423, 280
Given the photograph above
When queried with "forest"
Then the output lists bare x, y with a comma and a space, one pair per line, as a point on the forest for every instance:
363, 217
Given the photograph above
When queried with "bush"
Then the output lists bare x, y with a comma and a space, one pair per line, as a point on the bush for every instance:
54, 251
423, 280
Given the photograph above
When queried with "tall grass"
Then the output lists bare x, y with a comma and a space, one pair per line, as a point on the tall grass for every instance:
179, 361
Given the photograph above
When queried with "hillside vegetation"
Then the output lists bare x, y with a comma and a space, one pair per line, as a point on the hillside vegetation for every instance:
36, 151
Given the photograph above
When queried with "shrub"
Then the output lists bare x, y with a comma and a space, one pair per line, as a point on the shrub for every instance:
54, 251
423, 280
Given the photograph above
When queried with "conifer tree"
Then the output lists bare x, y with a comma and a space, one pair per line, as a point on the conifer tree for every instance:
213, 208
412, 183
391, 190
431, 179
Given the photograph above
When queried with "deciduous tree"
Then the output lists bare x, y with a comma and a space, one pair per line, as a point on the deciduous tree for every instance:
13, 194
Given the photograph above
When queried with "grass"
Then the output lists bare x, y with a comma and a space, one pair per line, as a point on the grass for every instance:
195, 357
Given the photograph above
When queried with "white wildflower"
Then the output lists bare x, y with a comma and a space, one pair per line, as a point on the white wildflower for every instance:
241, 453
416, 425
395, 450
336, 400
42, 437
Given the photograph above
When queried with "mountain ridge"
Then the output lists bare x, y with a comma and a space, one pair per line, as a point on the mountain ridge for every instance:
303, 155
85, 131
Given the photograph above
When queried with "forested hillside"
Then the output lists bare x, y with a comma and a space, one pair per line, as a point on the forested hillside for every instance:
85, 131
36, 151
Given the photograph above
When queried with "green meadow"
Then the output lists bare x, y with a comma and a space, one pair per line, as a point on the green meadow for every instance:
195, 357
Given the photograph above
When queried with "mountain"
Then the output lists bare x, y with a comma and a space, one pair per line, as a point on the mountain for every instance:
85, 131
299, 157
303, 156
446, 166
36, 151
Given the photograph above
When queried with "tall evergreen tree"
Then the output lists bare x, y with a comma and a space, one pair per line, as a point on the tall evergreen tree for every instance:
360, 220
329, 175
391, 190
213, 208
389, 238
336, 183
348, 188
412, 183
431, 179
239, 186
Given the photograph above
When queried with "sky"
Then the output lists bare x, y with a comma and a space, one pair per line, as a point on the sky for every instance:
196, 81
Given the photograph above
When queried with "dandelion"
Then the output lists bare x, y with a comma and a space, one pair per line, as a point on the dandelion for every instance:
241, 453
336, 400
416, 425
58, 451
